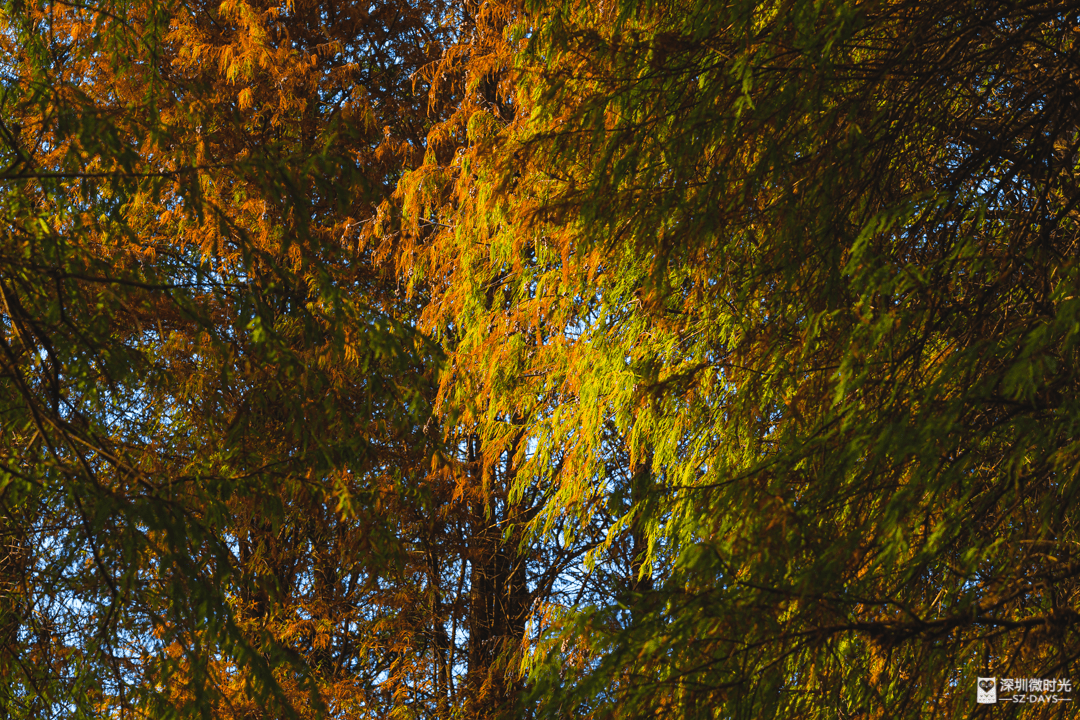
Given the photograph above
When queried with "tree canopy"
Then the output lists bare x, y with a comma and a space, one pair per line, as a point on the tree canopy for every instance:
675, 359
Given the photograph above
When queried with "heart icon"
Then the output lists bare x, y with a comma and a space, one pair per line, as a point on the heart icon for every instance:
986, 684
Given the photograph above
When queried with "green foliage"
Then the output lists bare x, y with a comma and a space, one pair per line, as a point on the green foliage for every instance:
190, 357
814, 264
658, 359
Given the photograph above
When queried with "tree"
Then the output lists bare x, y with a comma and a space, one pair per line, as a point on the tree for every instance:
174, 270
228, 424
811, 263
